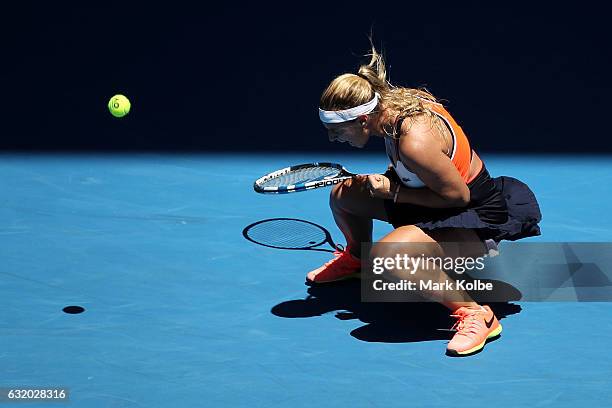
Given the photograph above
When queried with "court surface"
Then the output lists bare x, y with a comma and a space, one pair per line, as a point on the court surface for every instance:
182, 311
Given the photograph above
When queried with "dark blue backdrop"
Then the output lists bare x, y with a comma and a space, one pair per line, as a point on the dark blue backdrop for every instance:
517, 77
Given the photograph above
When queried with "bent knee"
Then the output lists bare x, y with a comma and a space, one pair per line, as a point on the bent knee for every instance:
408, 234
344, 194
408, 240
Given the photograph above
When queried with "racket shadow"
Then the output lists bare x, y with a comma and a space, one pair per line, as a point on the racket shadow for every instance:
290, 234
383, 322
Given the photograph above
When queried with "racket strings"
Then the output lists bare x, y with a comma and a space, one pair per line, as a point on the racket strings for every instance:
290, 234
303, 175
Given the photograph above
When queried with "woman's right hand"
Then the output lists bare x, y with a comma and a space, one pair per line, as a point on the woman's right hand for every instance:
380, 186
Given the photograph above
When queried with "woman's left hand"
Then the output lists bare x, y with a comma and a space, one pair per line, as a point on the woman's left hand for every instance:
380, 186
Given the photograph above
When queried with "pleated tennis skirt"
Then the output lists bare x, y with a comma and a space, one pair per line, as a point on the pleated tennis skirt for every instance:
501, 208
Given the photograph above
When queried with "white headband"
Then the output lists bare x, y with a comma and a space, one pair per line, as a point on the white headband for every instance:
348, 114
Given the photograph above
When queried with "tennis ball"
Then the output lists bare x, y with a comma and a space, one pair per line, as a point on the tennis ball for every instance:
119, 106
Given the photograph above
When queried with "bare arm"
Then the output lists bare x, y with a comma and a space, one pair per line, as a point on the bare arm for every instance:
421, 151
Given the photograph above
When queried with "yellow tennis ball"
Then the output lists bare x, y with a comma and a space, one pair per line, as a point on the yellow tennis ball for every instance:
119, 106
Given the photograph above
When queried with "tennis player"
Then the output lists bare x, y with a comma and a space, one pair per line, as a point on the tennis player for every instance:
437, 189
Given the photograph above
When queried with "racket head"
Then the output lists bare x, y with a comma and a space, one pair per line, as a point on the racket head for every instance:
288, 233
301, 177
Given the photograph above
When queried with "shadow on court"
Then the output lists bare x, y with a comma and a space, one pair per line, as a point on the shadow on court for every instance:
384, 322
388, 322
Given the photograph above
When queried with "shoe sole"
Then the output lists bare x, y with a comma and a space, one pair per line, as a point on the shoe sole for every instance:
475, 349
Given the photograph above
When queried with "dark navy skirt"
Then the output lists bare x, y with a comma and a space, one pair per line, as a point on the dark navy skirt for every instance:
501, 208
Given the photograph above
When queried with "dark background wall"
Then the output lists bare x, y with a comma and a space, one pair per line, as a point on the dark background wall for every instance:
518, 77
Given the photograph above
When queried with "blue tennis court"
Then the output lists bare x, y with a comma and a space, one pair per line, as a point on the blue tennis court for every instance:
181, 310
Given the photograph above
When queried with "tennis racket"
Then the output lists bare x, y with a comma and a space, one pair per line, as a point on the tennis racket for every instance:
290, 233
301, 178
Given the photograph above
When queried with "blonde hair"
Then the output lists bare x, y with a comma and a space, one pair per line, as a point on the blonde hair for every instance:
350, 90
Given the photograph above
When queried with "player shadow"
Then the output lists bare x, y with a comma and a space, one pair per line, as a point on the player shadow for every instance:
388, 322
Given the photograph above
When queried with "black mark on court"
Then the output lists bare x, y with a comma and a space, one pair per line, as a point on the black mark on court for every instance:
73, 309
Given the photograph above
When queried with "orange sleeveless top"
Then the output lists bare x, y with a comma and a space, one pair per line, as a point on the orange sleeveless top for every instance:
462, 152
461, 155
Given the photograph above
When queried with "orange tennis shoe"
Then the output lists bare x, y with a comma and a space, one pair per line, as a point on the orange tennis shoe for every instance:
343, 266
475, 325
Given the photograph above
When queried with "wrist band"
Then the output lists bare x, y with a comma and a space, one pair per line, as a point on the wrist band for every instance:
397, 189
